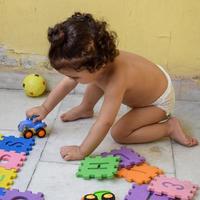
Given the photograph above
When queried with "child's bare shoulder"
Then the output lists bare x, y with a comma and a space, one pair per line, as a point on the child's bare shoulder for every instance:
126, 71
122, 66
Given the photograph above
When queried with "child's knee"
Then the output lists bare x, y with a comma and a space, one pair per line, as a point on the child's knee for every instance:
116, 135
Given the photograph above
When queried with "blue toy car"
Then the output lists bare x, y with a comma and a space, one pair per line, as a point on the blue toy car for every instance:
29, 128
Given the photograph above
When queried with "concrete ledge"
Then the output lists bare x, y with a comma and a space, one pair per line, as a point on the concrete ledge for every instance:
13, 80
186, 89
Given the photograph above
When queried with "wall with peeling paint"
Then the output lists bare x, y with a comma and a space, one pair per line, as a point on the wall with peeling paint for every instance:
165, 31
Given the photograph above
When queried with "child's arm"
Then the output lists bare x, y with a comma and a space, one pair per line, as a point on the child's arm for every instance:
55, 96
58, 93
111, 104
112, 100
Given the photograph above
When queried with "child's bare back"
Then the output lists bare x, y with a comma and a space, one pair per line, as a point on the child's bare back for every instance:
143, 82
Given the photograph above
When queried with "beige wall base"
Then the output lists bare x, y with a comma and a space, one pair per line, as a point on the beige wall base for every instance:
186, 89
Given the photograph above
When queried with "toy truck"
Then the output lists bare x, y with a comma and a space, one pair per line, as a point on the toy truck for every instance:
28, 128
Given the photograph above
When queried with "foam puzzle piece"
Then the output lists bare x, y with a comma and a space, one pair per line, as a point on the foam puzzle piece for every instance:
11, 159
137, 192
140, 192
158, 197
17, 144
1, 136
128, 157
173, 188
16, 194
98, 167
141, 174
6, 177
2, 191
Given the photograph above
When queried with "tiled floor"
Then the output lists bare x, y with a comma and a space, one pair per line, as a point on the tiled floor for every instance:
46, 172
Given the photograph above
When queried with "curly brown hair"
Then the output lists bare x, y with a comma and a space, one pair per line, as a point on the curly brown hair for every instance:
81, 42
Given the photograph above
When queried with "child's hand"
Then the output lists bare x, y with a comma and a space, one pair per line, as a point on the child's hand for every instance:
39, 111
71, 153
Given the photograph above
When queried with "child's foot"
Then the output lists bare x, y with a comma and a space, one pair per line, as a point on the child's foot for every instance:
75, 113
177, 134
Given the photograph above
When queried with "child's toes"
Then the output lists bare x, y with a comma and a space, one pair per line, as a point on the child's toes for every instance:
192, 142
63, 151
62, 117
67, 157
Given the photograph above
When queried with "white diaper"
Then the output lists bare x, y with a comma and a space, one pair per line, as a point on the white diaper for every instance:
167, 100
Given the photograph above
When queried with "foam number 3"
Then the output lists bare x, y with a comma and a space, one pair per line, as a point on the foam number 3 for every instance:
173, 187
169, 184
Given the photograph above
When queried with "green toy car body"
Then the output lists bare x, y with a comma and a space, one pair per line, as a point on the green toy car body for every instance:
100, 195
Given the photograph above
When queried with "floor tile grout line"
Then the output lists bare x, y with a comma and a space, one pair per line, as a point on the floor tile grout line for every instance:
32, 175
5, 129
62, 163
173, 156
51, 129
11, 89
77, 164
39, 160
36, 165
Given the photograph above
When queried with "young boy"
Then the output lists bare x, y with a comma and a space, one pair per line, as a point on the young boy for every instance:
84, 50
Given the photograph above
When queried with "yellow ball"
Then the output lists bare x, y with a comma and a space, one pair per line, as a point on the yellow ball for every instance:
34, 85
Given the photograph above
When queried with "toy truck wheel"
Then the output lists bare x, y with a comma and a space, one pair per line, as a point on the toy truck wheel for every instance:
108, 196
90, 197
41, 133
28, 134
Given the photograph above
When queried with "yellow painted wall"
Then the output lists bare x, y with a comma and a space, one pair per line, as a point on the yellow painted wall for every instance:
165, 31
